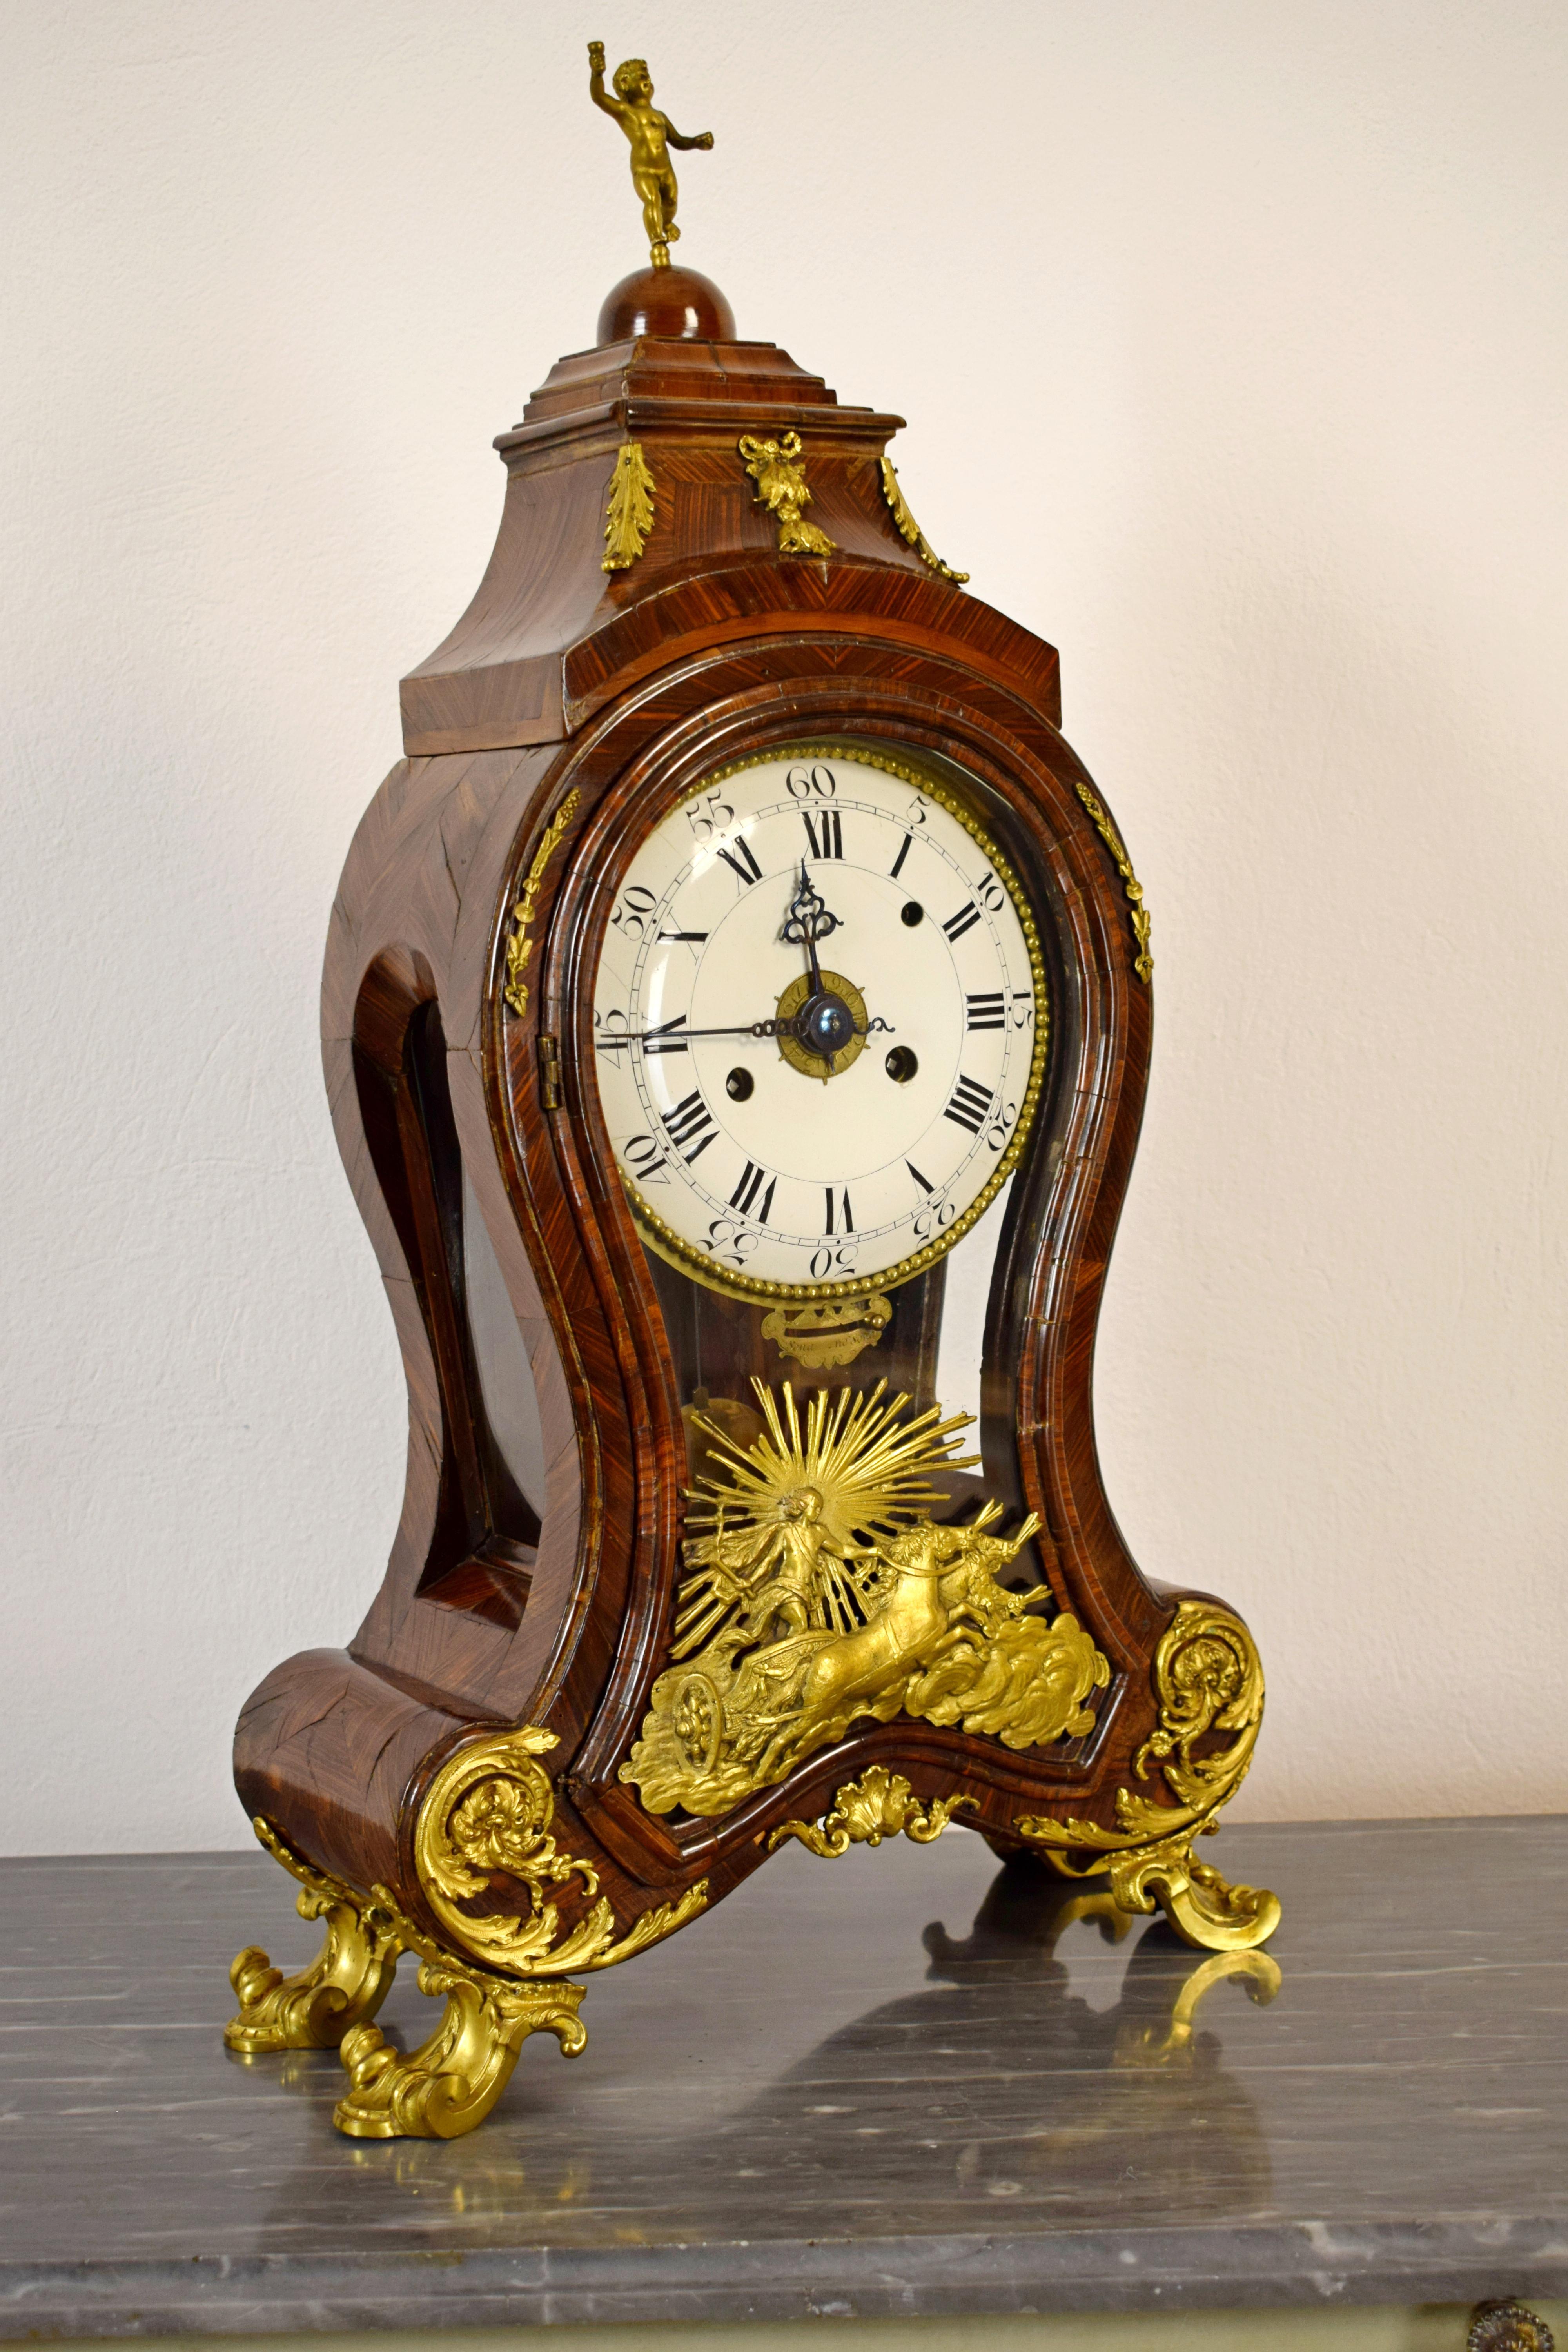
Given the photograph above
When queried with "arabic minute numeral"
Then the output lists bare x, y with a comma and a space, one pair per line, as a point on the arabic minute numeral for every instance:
690, 1121
802, 782
837, 1206
1006, 1118
637, 905
728, 1240
964, 921
935, 1217
740, 862
832, 1258
749, 1197
989, 891
970, 1107
825, 831
646, 1160
1023, 1007
985, 1011
706, 812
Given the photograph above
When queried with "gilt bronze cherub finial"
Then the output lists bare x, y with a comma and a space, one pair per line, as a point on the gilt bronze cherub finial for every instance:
652, 134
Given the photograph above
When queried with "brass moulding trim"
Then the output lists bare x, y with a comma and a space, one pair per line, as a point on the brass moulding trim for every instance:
342, 1988
1506, 2326
1207, 1678
820, 1591
663, 1239
879, 1804
488, 1813
1142, 962
909, 528
520, 946
628, 516
779, 472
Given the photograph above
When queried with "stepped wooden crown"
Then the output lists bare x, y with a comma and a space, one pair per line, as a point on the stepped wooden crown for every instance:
546, 637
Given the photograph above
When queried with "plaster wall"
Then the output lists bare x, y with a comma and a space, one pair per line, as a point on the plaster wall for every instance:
1233, 343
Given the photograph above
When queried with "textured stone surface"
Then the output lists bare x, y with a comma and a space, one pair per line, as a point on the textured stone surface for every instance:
844, 2092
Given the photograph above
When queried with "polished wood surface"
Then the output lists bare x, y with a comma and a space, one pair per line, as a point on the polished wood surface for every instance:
503, 1605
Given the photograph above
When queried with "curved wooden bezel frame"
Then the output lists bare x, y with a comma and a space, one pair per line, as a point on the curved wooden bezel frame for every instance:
642, 759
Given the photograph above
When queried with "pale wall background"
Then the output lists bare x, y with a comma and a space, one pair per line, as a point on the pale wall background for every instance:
1232, 339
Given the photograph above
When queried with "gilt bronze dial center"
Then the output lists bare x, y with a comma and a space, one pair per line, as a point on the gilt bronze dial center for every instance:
827, 1026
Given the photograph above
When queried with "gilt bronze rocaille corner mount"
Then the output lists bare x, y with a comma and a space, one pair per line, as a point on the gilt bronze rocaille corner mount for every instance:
1209, 1681
502, 1975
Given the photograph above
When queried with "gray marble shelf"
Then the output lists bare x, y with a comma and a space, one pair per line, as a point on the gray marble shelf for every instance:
894, 2084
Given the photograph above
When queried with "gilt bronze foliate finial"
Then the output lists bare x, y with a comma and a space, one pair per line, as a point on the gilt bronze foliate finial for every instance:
652, 134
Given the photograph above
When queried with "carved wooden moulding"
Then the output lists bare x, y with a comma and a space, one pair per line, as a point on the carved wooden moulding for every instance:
736, 1018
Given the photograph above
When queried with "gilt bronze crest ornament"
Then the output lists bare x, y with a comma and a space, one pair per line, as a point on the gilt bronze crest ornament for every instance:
736, 1017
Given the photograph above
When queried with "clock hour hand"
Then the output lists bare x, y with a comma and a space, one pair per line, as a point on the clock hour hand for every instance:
808, 922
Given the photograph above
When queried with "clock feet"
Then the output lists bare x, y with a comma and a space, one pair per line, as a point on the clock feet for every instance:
451, 2081
1202, 1907
342, 1988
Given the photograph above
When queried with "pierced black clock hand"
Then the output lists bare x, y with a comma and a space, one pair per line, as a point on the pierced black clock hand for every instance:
671, 1038
808, 922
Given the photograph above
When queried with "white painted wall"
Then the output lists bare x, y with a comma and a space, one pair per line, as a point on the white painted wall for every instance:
1231, 335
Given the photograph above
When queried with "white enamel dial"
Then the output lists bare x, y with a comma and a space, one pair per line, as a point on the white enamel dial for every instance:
847, 910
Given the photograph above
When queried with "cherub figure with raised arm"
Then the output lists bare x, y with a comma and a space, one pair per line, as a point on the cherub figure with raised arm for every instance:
652, 134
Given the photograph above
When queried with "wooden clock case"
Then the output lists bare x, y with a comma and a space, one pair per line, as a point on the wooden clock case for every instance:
569, 708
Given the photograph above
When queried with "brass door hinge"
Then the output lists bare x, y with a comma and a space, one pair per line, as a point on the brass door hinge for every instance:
549, 1072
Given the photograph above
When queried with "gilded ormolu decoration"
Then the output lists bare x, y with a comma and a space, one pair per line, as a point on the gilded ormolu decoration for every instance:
453, 2080
651, 135
831, 1332
877, 1805
1142, 962
520, 946
344, 1985
488, 1815
910, 528
629, 515
1207, 1679
822, 1590
779, 474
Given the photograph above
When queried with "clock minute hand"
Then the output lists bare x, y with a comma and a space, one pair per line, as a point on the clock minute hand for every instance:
671, 1037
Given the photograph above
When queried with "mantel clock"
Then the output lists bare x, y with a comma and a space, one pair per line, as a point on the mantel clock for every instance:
736, 1016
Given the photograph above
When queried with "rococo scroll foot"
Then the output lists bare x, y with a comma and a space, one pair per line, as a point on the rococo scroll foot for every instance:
451, 2081
1202, 1906
342, 1988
